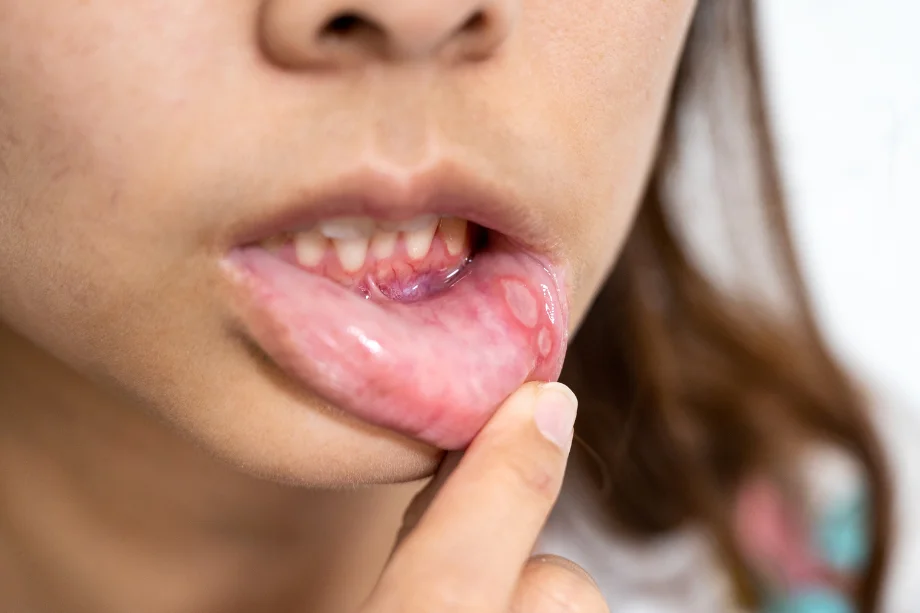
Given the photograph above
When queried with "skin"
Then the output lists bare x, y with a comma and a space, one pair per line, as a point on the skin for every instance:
138, 429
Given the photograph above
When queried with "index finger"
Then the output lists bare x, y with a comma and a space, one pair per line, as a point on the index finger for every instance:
482, 525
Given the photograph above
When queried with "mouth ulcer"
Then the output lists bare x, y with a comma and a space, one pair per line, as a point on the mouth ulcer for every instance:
399, 261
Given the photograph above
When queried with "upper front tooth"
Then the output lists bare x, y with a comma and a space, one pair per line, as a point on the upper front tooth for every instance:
347, 227
418, 242
352, 252
409, 225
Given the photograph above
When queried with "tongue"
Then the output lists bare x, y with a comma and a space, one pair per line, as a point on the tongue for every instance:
434, 370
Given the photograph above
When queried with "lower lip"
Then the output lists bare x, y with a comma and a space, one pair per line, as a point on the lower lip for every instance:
435, 369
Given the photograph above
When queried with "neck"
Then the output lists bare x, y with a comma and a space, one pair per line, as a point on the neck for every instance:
105, 508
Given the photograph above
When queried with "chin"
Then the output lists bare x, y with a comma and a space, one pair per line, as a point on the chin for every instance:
294, 438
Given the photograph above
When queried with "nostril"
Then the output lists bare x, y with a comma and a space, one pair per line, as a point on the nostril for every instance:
477, 22
307, 34
355, 26
349, 25
342, 25
478, 35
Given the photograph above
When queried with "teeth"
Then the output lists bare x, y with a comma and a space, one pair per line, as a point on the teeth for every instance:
353, 238
352, 252
348, 228
453, 231
418, 241
409, 225
310, 247
383, 244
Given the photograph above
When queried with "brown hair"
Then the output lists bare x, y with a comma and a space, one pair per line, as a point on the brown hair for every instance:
687, 385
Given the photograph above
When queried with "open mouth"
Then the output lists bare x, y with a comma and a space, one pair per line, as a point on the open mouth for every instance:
422, 325
399, 261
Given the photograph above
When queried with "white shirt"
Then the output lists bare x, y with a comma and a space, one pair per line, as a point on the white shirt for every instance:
680, 574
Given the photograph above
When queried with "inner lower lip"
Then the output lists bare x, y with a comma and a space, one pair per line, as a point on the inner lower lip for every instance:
399, 278
433, 364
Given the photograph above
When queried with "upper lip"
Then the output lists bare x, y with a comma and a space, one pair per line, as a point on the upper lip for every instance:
445, 189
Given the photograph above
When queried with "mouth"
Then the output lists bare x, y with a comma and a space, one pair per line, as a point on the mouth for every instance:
415, 305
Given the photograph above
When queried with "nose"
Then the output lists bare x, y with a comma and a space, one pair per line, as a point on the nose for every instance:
341, 33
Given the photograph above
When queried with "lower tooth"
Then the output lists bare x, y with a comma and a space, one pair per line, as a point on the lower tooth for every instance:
453, 231
352, 253
383, 244
409, 225
310, 247
418, 242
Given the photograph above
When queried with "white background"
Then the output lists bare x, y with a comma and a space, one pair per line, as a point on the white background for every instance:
845, 85
845, 82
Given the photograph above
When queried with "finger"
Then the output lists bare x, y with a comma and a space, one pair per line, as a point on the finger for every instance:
422, 500
550, 584
468, 549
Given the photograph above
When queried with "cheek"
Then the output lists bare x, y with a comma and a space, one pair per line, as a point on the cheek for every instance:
615, 61
46, 208
82, 223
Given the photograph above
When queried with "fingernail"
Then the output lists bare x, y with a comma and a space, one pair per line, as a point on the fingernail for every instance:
555, 414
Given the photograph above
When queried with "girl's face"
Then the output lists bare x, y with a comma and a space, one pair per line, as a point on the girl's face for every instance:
161, 163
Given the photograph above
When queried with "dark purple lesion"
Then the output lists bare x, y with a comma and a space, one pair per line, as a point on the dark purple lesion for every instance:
420, 286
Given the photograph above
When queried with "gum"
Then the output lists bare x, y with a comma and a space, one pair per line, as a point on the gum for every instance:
434, 369
396, 277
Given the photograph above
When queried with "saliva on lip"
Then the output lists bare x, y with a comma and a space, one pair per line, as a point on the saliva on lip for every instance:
404, 262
